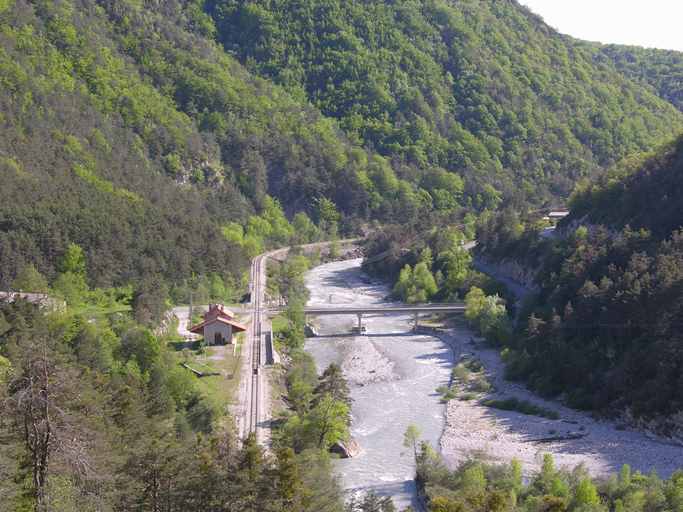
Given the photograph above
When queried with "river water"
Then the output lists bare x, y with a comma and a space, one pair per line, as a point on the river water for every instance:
392, 374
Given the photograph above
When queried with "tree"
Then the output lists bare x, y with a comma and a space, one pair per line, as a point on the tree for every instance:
304, 229
289, 480
411, 439
487, 314
42, 406
30, 280
328, 422
423, 285
150, 301
333, 383
72, 287
328, 217
586, 493
475, 302
404, 282
73, 260
455, 260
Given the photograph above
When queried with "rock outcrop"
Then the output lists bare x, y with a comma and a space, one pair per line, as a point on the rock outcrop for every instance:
347, 449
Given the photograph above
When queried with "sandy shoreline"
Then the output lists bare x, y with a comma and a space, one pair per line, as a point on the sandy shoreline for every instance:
475, 430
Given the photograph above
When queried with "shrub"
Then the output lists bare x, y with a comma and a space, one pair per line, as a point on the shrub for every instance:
522, 406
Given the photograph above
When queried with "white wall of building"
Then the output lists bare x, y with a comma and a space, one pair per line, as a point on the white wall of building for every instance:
217, 327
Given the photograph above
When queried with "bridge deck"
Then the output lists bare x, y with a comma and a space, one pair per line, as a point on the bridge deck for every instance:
361, 310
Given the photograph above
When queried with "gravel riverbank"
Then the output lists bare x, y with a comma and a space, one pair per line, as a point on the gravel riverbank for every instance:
476, 430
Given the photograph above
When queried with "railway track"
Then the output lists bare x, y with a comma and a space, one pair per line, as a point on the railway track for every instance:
256, 300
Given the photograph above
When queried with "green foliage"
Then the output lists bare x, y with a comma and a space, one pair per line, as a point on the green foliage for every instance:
515, 404
327, 422
150, 113
30, 280
487, 315
332, 383
415, 285
476, 486
513, 110
411, 438
585, 494
71, 287
107, 394
73, 260
661, 69
604, 326
641, 192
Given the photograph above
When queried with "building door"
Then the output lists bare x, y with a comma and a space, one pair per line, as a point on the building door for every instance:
217, 339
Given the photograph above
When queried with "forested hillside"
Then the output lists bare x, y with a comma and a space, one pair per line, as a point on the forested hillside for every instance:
606, 326
128, 130
662, 69
483, 89
124, 129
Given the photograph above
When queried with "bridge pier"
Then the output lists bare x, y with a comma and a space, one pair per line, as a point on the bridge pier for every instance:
417, 320
360, 323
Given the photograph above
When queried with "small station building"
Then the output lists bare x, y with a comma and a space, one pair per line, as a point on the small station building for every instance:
218, 326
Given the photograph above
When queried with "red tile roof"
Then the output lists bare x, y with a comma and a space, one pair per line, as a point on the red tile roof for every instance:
236, 326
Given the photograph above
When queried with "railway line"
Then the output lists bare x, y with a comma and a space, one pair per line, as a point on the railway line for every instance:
254, 405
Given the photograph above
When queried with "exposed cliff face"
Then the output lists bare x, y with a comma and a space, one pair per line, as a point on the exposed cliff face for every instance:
519, 279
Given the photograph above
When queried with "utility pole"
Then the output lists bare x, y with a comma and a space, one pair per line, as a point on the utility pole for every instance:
189, 319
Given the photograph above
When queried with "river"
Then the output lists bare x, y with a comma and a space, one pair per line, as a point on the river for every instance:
392, 374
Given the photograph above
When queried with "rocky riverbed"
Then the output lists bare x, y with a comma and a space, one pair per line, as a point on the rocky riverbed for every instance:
392, 375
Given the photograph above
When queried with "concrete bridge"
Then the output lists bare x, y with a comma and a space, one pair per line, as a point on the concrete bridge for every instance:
359, 311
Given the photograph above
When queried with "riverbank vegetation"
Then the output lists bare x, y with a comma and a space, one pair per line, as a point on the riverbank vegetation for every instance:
438, 267
477, 486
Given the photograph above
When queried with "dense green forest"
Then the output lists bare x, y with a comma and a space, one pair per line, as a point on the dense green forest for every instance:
605, 327
127, 131
661, 69
99, 416
149, 149
483, 89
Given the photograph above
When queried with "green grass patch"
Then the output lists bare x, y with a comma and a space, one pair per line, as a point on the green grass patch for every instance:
522, 406
220, 390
